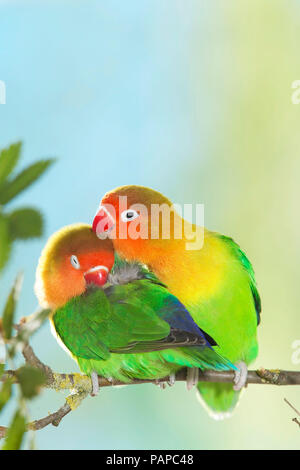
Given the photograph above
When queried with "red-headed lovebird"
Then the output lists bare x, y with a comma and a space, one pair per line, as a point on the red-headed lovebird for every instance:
215, 282
115, 318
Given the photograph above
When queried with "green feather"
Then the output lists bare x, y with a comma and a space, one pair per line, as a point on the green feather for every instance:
240, 255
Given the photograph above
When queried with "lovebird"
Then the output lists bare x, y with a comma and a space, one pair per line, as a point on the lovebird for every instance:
116, 319
215, 282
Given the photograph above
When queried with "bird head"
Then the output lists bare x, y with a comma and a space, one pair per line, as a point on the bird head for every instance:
73, 259
139, 220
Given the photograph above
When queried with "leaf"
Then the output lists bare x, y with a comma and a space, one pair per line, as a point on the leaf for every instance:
30, 380
5, 242
9, 309
15, 433
25, 223
5, 393
8, 159
24, 179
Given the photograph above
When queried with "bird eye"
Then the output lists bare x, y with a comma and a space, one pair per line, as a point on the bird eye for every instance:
128, 215
74, 262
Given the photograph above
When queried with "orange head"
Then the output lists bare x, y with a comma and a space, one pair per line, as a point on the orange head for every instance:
140, 221
72, 259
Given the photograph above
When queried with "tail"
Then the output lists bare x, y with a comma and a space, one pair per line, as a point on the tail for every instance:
219, 399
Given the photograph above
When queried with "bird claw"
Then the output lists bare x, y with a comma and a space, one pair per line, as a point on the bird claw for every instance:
172, 379
240, 376
169, 382
95, 384
192, 377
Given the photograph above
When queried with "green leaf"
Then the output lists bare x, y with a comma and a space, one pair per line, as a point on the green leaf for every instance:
15, 433
8, 159
25, 223
30, 380
5, 393
9, 309
5, 242
24, 179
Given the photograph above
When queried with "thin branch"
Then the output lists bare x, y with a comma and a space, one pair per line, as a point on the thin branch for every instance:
293, 408
72, 402
33, 360
53, 418
295, 420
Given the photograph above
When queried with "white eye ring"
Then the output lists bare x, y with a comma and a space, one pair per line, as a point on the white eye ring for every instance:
129, 215
74, 262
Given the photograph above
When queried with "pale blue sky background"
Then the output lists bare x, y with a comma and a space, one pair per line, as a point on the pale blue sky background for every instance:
140, 91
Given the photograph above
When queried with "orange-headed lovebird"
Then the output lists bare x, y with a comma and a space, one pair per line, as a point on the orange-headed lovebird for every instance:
120, 323
215, 282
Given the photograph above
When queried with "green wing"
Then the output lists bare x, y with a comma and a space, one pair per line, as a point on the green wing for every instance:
140, 316
240, 255
92, 327
147, 299
78, 324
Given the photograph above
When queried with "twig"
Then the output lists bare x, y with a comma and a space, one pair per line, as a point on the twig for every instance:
34, 361
295, 420
53, 418
293, 408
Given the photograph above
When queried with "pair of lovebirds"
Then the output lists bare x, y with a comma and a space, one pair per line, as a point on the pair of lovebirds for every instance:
144, 307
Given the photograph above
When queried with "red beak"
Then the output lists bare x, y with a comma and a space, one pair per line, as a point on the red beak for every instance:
103, 222
97, 276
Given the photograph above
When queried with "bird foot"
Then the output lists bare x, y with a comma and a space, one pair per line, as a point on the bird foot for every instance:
169, 382
172, 379
192, 377
95, 384
240, 376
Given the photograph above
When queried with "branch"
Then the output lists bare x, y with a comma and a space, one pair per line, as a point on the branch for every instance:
33, 360
81, 386
262, 376
53, 418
